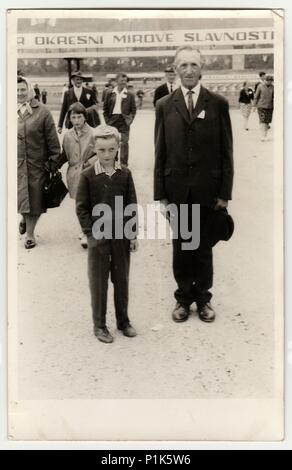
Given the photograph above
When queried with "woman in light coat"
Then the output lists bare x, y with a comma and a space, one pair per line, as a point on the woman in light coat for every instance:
37, 147
78, 148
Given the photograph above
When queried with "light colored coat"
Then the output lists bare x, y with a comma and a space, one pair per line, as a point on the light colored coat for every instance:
77, 149
37, 141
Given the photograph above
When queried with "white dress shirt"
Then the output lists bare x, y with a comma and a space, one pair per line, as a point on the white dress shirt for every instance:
195, 95
118, 104
78, 92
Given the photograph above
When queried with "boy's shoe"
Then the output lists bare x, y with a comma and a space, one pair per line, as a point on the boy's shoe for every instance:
103, 335
129, 331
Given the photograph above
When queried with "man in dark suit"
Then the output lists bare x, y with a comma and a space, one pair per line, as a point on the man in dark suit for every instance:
119, 109
168, 87
85, 96
193, 165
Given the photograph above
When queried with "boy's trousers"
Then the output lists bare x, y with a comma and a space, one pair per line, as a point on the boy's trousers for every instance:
109, 257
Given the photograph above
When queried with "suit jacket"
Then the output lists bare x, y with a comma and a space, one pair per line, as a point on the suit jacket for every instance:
160, 92
193, 157
87, 98
128, 107
96, 189
246, 97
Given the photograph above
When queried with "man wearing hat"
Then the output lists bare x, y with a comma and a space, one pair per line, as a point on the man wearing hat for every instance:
194, 165
119, 109
168, 87
78, 93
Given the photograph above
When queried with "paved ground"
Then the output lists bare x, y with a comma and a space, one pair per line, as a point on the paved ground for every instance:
59, 358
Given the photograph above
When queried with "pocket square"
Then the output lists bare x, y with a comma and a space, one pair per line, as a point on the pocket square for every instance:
88, 96
201, 115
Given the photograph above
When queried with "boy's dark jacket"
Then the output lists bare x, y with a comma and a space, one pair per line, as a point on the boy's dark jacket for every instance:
94, 189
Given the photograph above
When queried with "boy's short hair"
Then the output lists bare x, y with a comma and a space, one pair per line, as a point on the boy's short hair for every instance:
107, 132
77, 108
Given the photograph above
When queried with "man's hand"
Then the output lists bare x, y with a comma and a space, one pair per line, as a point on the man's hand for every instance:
165, 211
133, 246
60, 130
221, 204
163, 203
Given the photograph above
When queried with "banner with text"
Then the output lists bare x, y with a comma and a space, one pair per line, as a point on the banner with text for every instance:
148, 39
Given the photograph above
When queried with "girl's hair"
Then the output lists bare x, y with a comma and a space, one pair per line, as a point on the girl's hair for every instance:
77, 108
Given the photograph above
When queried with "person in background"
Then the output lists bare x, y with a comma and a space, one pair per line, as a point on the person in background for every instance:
84, 96
108, 87
119, 109
37, 92
78, 148
44, 96
245, 99
168, 87
262, 76
38, 151
104, 91
264, 101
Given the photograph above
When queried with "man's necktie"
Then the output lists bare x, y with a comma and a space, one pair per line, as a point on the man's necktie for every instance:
190, 103
171, 89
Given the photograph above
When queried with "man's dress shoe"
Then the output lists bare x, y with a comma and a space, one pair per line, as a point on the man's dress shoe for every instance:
206, 312
180, 313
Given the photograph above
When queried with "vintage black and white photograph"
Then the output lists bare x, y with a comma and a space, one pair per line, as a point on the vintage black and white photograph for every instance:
145, 287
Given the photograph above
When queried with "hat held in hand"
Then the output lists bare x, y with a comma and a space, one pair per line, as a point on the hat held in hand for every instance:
218, 226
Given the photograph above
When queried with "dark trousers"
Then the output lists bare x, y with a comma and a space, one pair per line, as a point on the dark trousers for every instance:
119, 123
109, 257
193, 269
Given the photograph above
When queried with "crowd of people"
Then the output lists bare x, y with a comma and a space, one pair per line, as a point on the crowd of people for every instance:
193, 165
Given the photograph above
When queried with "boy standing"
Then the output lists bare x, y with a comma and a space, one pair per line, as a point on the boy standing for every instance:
99, 187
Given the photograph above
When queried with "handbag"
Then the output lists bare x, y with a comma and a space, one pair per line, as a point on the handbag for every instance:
55, 190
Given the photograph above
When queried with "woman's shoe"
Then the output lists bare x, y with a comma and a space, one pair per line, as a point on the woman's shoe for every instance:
22, 227
29, 244
83, 242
